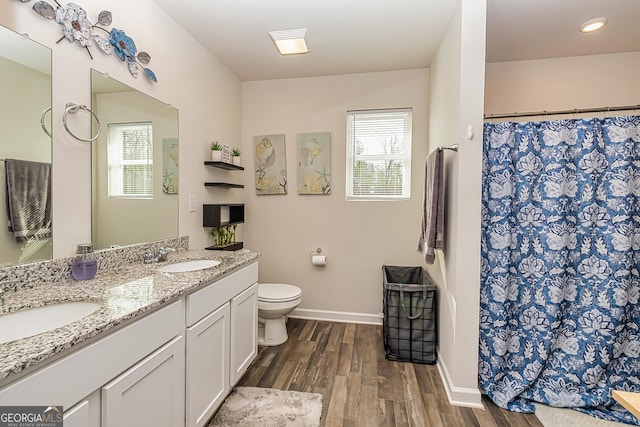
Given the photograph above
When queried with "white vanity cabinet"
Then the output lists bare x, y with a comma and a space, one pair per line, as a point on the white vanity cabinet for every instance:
148, 353
221, 340
149, 393
172, 367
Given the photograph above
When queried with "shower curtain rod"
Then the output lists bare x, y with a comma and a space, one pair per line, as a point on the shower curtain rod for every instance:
557, 112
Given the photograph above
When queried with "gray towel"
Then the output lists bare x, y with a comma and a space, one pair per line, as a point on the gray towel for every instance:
432, 233
28, 199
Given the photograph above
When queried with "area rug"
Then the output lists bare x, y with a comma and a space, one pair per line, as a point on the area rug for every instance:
254, 406
564, 417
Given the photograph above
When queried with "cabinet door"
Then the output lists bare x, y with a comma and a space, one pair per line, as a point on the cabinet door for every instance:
207, 366
151, 393
86, 413
244, 332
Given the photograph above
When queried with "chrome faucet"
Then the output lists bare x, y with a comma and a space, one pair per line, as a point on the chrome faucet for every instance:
161, 255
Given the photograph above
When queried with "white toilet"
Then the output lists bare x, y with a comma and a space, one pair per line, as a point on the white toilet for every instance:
275, 301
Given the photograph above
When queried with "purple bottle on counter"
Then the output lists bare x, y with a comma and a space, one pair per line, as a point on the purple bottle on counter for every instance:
84, 266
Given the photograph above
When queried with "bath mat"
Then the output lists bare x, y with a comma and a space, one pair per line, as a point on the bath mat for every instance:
255, 406
564, 417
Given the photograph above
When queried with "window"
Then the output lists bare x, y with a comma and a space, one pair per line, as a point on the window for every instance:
130, 156
379, 154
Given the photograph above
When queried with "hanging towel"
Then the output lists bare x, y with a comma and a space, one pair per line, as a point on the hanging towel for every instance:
28, 191
432, 233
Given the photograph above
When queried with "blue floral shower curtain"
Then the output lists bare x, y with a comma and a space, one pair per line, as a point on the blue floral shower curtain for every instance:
560, 285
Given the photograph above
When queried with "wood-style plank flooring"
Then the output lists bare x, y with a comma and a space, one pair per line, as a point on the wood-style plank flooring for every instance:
346, 364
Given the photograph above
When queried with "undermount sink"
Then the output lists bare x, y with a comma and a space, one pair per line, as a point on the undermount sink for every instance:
186, 266
33, 321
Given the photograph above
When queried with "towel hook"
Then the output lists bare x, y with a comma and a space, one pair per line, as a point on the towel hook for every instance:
73, 108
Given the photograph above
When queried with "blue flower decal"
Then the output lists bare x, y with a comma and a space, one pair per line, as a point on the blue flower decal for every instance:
123, 45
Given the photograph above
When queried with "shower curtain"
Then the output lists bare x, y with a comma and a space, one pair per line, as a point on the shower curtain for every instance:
560, 277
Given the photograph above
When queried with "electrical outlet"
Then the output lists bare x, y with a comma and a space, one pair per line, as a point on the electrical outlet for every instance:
192, 202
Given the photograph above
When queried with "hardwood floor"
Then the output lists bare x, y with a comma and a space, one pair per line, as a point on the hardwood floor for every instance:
346, 364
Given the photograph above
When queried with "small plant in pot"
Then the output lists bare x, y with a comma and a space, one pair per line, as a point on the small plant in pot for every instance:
224, 236
235, 157
216, 151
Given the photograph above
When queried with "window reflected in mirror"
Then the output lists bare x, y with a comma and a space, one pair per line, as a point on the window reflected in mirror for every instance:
130, 159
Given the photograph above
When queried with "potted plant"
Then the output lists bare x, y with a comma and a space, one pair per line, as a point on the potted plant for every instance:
216, 151
235, 157
224, 236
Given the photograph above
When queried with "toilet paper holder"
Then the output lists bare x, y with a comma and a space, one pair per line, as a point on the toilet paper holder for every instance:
317, 251
316, 258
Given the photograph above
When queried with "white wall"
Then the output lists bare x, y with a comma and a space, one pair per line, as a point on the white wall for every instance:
563, 83
206, 93
358, 237
457, 80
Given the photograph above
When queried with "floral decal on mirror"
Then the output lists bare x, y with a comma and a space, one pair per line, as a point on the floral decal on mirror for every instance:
76, 27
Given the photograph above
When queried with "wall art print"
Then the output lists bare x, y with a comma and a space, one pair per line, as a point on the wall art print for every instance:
314, 163
270, 164
170, 165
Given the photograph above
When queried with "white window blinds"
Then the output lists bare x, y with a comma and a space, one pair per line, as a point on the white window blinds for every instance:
130, 155
379, 154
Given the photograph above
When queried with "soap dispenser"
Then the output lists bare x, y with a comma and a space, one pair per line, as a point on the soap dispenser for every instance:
85, 265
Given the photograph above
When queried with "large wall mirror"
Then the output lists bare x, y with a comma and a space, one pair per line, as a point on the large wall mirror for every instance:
25, 195
134, 166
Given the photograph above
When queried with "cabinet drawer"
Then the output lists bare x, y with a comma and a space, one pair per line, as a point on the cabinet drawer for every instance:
202, 302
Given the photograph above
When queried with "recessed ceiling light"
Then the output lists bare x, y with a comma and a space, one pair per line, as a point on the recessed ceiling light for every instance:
291, 42
593, 25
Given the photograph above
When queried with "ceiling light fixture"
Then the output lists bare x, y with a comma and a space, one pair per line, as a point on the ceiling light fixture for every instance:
290, 42
593, 25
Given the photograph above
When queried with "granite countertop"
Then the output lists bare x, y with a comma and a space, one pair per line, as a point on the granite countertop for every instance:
124, 293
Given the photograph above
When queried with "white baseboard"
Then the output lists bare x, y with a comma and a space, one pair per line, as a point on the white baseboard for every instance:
336, 316
458, 396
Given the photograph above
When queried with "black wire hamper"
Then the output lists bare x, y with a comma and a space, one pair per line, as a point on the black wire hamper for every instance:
410, 317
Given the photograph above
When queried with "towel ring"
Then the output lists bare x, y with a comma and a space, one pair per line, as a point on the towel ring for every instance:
44, 128
73, 108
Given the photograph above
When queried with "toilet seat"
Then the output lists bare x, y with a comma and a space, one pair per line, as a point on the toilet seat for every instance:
278, 292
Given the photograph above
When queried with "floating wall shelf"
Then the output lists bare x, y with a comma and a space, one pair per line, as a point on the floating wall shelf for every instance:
221, 215
223, 165
232, 247
223, 184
